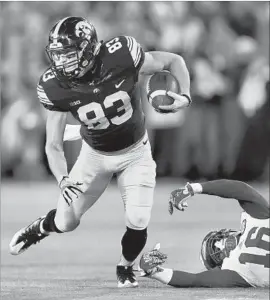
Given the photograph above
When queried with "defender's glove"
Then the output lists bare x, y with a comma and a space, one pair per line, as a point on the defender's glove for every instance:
70, 190
178, 198
151, 261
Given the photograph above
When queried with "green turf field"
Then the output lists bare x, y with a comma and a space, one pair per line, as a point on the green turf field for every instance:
81, 264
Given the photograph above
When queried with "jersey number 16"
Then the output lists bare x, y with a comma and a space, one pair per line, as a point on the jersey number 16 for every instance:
257, 242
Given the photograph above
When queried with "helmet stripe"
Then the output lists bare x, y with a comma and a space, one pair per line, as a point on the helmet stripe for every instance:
55, 33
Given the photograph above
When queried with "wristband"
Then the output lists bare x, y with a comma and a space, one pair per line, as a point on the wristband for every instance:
189, 99
196, 187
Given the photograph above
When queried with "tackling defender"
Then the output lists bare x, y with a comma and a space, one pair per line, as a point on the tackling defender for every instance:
232, 258
98, 83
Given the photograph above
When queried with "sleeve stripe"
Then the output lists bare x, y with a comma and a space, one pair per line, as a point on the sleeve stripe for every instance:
42, 94
46, 102
43, 98
135, 49
128, 42
138, 59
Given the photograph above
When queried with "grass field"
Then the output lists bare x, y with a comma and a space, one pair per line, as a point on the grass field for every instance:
81, 264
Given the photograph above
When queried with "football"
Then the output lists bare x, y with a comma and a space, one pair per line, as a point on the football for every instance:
157, 86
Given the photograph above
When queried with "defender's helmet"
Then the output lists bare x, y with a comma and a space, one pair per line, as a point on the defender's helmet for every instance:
217, 245
72, 47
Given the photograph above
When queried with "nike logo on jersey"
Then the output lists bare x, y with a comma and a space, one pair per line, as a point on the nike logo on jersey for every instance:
145, 142
119, 84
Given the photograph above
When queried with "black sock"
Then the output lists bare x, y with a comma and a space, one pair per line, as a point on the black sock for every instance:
49, 224
133, 242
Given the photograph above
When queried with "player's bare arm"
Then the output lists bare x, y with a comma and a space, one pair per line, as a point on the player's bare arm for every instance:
55, 127
249, 199
151, 266
156, 61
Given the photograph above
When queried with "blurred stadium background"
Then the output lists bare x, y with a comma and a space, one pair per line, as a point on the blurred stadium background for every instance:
226, 46
225, 133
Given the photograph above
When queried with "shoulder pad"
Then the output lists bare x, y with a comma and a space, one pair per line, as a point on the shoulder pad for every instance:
122, 51
135, 50
48, 91
47, 78
43, 98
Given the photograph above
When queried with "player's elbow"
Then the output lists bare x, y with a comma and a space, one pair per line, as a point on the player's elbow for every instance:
177, 61
52, 147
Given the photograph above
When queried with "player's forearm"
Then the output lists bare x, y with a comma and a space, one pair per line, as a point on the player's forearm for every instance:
249, 199
215, 278
182, 279
230, 189
57, 161
179, 69
175, 278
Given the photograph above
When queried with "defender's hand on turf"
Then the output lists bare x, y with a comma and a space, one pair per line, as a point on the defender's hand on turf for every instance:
70, 190
178, 198
180, 102
150, 261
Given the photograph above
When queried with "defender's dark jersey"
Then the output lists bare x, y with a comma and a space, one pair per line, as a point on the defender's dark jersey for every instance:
109, 109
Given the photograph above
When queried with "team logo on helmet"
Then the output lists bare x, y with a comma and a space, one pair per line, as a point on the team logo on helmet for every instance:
83, 29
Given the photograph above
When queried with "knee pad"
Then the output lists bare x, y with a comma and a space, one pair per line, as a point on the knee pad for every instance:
138, 217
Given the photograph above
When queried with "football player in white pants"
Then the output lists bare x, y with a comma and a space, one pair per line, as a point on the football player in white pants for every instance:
232, 258
97, 82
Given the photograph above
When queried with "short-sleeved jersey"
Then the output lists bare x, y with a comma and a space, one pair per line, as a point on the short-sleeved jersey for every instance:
250, 259
109, 107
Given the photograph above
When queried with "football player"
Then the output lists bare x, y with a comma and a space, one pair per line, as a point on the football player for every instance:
232, 258
97, 82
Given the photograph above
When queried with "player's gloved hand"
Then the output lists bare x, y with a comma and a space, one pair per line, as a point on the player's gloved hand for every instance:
178, 198
180, 101
70, 190
151, 261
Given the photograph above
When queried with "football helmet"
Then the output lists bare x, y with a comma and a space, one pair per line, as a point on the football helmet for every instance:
72, 47
217, 245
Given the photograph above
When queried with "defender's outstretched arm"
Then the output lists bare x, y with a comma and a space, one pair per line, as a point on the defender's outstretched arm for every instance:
215, 278
150, 265
249, 199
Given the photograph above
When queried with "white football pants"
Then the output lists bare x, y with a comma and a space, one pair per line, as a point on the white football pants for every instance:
136, 177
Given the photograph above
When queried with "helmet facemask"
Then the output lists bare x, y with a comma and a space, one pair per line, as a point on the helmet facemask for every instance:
72, 48
71, 61
217, 245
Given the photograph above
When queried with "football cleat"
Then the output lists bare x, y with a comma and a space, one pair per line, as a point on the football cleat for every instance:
26, 237
126, 277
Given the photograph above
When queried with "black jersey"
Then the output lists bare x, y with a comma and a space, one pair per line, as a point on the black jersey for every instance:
108, 108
